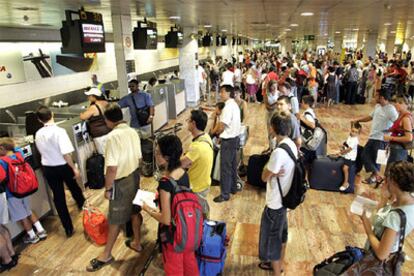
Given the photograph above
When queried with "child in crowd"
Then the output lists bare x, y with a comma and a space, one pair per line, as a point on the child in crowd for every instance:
349, 153
19, 208
217, 113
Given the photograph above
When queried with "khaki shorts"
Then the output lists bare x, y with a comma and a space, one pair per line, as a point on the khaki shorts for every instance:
120, 207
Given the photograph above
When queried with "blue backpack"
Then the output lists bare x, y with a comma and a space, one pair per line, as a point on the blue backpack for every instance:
212, 252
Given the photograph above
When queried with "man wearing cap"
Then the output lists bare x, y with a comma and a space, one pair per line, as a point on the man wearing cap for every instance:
96, 121
139, 102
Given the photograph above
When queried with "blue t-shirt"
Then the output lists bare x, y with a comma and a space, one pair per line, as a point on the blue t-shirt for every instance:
6, 168
142, 99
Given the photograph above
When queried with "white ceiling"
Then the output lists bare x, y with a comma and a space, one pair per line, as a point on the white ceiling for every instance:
263, 19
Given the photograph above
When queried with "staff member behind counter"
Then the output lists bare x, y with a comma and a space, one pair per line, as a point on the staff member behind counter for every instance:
96, 121
138, 101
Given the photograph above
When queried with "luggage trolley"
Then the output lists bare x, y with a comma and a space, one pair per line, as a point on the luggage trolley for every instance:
215, 174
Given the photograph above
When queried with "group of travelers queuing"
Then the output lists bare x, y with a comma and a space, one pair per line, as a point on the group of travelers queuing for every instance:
286, 85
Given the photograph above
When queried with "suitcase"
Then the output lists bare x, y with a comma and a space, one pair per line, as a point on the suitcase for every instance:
147, 165
326, 174
255, 168
211, 255
95, 171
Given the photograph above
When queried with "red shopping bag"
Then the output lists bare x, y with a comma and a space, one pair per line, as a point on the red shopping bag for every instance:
95, 225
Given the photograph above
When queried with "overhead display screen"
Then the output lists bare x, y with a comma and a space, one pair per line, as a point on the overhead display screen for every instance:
93, 33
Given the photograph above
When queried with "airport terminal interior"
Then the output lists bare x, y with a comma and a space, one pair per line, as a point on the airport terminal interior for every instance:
168, 121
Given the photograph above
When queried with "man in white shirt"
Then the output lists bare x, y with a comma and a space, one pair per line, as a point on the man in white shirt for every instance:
228, 77
55, 149
229, 130
278, 171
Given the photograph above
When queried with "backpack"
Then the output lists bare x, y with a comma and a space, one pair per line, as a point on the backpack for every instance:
211, 256
296, 194
313, 137
22, 179
187, 219
339, 262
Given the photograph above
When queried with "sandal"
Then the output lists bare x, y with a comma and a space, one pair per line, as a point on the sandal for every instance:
8, 266
96, 264
265, 266
128, 244
370, 180
378, 183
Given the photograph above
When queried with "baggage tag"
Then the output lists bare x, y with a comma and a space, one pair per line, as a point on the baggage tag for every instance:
382, 157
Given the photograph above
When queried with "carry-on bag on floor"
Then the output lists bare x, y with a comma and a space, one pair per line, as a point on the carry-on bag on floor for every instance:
339, 262
212, 252
95, 171
95, 225
326, 174
255, 168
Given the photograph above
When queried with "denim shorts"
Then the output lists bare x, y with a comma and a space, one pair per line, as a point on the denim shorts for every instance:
273, 233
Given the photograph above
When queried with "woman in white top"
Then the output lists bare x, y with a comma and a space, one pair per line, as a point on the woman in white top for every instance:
383, 230
251, 83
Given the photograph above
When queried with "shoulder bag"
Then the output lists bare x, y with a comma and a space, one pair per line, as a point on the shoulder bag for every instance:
142, 113
371, 265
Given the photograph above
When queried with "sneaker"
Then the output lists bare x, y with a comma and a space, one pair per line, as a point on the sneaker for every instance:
42, 235
33, 240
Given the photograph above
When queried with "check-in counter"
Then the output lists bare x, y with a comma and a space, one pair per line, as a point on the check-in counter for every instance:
176, 99
159, 98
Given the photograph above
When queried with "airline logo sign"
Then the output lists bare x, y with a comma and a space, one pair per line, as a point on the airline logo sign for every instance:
11, 67
93, 33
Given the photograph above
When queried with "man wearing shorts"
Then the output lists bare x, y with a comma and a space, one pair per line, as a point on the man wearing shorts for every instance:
278, 171
122, 156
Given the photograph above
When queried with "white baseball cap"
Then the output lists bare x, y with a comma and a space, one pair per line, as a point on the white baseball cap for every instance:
94, 92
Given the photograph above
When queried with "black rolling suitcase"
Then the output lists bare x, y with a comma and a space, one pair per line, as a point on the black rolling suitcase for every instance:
95, 171
147, 165
255, 168
326, 174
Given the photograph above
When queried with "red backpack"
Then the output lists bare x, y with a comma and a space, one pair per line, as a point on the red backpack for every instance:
186, 219
22, 179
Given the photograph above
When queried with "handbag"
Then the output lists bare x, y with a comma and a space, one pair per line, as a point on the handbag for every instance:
95, 225
142, 113
371, 265
96, 125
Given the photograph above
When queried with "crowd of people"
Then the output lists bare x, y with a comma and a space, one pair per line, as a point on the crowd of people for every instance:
291, 89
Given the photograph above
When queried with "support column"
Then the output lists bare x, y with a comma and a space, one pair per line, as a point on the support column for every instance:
286, 46
188, 60
122, 30
371, 45
360, 41
338, 43
389, 47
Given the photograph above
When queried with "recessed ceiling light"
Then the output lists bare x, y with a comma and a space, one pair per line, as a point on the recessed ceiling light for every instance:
294, 25
337, 32
287, 30
356, 29
176, 17
207, 26
224, 30
392, 32
387, 24
306, 14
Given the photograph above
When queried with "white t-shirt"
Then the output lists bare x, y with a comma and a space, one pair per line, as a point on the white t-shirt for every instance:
241, 57
227, 78
238, 75
230, 117
352, 142
280, 159
294, 103
53, 142
250, 79
201, 74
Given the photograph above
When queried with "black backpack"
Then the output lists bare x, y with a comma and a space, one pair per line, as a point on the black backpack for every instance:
296, 194
339, 262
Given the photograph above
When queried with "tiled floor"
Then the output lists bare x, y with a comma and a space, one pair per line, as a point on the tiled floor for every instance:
320, 227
